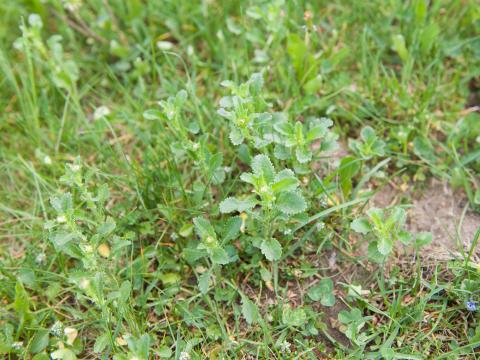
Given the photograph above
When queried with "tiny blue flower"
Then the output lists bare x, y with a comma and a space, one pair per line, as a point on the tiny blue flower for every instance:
471, 305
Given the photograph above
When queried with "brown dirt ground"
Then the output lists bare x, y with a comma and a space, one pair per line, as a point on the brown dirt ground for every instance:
436, 208
440, 210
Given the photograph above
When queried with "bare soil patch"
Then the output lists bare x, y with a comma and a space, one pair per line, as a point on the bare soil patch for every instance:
440, 210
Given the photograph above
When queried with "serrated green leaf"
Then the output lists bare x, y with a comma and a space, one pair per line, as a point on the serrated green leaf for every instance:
316, 132
247, 177
361, 226
228, 205
291, 203
236, 136
385, 245
262, 166
231, 204
303, 155
231, 229
423, 148
285, 184
281, 152
368, 134
101, 343
373, 253
272, 249
398, 216
193, 254
249, 310
219, 256
203, 228
203, 281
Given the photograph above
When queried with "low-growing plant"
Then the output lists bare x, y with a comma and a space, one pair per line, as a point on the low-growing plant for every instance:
244, 109
297, 140
64, 72
84, 232
369, 146
384, 227
278, 198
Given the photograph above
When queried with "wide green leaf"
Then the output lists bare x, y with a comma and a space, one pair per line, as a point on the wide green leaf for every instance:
231, 204
203, 281
272, 249
249, 310
203, 228
219, 256
361, 226
291, 203
231, 229
323, 292
385, 245
262, 166
285, 184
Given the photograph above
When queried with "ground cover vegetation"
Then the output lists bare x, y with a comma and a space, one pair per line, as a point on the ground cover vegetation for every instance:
203, 179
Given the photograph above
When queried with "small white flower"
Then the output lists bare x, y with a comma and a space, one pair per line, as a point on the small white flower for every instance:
101, 112
227, 169
184, 355
320, 226
17, 345
174, 236
287, 231
34, 20
40, 259
75, 167
61, 219
285, 346
57, 328
47, 160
